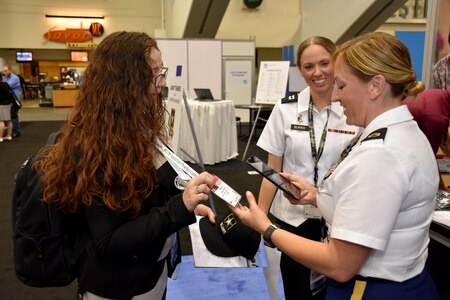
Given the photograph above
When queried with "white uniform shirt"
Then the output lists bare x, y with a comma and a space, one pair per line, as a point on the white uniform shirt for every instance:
294, 146
382, 196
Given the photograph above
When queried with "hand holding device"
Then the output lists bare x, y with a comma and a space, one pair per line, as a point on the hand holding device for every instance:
273, 176
292, 188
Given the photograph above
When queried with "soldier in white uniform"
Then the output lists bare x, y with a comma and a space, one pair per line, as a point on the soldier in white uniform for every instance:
294, 146
378, 202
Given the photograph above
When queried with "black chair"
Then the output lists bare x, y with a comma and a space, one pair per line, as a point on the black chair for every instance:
261, 122
23, 87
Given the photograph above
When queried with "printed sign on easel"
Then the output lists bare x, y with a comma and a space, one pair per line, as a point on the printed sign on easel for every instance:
174, 108
272, 81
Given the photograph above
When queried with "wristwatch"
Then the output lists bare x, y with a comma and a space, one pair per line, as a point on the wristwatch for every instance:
268, 233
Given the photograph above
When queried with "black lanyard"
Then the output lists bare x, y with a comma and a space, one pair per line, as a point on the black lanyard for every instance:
343, 155
347, 149
316, 153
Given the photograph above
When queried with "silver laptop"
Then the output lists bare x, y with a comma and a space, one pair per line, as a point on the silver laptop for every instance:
204, 95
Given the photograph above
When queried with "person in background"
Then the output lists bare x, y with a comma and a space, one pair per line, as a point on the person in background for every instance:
305, 134
379, 200
441, 71
106, 164
14, 82
5, 111
431, 111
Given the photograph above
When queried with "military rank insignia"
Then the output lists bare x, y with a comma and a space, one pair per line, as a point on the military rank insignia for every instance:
378, 134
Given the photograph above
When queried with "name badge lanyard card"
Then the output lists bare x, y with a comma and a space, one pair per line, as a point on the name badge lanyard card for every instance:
185, 173
317, 153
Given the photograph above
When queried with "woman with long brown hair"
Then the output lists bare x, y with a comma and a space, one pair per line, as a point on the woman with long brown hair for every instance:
106, 164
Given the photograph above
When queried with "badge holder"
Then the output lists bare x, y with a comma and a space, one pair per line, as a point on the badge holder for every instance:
311, 212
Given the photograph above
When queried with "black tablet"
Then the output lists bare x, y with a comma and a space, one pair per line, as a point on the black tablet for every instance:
270, 174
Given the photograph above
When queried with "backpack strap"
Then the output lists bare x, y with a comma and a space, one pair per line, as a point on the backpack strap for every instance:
53, 138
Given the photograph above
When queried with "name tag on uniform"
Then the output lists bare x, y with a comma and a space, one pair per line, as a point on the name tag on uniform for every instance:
299, 127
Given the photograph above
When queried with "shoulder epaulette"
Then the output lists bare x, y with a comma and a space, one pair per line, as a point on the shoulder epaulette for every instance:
376, 135
289, 99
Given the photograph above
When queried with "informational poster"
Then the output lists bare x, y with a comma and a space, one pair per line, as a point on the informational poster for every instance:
174, 107
272, 81
239, 73
239, 83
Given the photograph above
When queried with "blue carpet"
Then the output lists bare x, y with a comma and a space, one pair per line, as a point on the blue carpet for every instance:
218, 283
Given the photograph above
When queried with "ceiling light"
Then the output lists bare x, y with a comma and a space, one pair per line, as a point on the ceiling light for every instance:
75, 17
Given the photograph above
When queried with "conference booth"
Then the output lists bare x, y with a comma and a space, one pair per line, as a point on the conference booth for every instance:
226, 68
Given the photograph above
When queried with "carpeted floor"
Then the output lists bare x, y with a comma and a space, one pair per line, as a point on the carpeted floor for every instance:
191, 283
34, 136
218, 283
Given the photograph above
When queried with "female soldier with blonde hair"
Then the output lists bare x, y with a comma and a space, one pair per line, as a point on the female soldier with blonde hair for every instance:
304, 135
378, 201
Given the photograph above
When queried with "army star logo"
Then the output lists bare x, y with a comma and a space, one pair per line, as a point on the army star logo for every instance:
229, 222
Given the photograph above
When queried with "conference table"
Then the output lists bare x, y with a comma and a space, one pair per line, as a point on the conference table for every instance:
215, 127
440, 227
439, 252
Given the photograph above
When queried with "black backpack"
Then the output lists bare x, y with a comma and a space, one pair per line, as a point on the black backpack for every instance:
48, 243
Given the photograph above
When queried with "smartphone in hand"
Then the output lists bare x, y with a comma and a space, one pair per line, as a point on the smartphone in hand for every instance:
270, 174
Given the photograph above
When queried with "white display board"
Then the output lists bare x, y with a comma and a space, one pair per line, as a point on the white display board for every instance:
174, 56
272, 81
205, 66
238, 48
238, 83
296, 81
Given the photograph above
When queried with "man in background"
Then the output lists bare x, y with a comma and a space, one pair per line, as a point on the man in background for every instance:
431, 111
14, 82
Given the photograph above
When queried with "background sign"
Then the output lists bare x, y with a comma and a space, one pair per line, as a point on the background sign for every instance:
272, 81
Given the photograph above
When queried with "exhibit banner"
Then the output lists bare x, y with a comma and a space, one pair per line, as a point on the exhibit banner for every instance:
174, 108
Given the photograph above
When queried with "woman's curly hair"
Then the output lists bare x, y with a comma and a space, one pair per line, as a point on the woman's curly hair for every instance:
106, 151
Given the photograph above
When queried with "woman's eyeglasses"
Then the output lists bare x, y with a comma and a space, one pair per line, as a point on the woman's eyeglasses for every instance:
162, 74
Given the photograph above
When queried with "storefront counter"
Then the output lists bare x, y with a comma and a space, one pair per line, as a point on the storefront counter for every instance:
64, 97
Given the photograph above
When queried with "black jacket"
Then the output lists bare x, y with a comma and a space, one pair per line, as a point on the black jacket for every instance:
123, 262
5, 96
